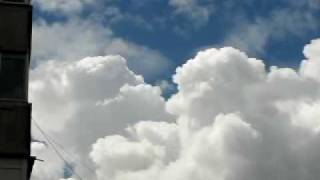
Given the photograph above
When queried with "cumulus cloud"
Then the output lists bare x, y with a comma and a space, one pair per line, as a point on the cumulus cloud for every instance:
234, 118
310, 67
81, 101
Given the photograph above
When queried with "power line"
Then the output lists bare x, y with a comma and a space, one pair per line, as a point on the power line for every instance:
72, 157
68, 165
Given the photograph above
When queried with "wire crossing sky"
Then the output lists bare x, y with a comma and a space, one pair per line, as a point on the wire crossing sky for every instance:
178, 89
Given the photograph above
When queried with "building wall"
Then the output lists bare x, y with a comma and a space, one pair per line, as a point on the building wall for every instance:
13, 169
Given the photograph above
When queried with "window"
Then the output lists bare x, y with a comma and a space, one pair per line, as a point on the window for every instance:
13, 76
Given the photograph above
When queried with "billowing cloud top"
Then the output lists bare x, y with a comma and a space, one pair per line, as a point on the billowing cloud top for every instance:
231, 119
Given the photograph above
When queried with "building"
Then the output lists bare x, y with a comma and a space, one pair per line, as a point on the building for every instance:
15, 110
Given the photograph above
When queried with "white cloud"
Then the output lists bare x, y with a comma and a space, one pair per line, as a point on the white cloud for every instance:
258, 141
63, 6
75, 39
54, 83
80, 101
314, 4
71, 40
161, 134
116, 155
198, 13
253, 37
37, 147
303, 114
310, 67
234, 119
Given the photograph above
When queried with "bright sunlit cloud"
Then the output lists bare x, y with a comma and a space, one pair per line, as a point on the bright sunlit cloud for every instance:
230, 119
128, 92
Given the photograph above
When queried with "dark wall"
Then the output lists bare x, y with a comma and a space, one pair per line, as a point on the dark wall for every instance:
13, 77
14, 129
14, 1
15, 27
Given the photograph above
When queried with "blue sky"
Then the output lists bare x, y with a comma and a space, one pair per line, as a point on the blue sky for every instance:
273, 30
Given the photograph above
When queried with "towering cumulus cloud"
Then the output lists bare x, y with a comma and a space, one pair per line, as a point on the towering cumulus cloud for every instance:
232, 118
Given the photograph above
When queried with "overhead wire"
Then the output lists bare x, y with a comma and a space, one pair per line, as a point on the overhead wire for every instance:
68, 165
73, 158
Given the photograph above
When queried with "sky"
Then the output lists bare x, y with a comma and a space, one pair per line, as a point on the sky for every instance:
176, 89
175, 30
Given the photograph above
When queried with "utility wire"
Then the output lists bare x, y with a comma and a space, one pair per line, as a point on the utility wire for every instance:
72, 157
68, 165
